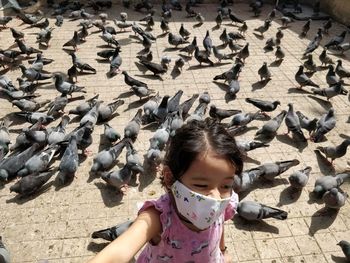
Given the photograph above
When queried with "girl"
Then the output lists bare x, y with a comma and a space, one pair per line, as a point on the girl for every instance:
187, 223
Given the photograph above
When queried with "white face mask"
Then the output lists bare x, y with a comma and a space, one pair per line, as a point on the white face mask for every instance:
200, 210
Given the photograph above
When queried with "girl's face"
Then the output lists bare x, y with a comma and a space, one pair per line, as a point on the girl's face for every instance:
211, 175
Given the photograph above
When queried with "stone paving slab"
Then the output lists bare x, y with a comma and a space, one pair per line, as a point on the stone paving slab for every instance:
56, 224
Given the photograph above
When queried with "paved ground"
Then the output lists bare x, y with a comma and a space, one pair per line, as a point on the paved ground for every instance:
56, 224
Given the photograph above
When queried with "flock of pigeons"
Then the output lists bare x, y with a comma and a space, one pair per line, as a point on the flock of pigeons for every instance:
29, 158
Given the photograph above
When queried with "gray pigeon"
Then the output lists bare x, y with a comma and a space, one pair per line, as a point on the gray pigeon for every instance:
176, 40
110, 133
142, 91
279, 54
174, 102
58, 133
253, 211
331, 78
38, 162
326, 183
306, 123
30, 184
132, 129
233, 88
161, 111
176, 122
293, 123
304, 80
341, 71
29, 105
160, 137
187, 105
69, 161
133, 159
4, 253
198, 113
269, 129
105, 112
22, 140
264, 106
264, 72
105, 159
220, 114
330, 92
12, 164
207, 43
5, 136
112, 233
119, 178
324, 125
242, 119
65, 87
246, 179
92, 115
337, 40
82, 65
335, 152
300, 178
325, 59
246, 146
85, 107
334, 198
345, 246
271, 170
151, 105
309, 64
32, 75
57, 105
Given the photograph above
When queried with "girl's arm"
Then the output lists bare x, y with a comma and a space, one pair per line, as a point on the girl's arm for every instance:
146, 226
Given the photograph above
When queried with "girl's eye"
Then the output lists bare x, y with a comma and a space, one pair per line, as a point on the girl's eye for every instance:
227, 186
200, 185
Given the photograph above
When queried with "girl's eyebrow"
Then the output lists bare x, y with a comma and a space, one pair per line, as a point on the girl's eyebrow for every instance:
206, 179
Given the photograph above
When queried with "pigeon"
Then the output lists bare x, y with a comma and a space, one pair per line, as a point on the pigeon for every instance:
242, 119
243, 28
4, 20
191, 47
246, 146
264, 72
326, 183
244, 53
133, 159
324, 125
186, 105
174, 102
220, 56
146, 57
309, 64
26, 49
69, 161
341, 48
220, 114
313, 45
4, 253
262, 29
132, 129
110, 133
264, 106
65, 87
72, 73
33, 117
279, 53
108, 37
184, 32
234, 17
12, 164
112, 233
332, 91
345, 246
334, 198
33, 75
161, 111
303, 80
81, 65
131, 81
142, 91
202, 57
300, 178
176, 40
92, 115
105, 159
286, 20
199, 112
105, 112
305, 28
179, 63
5, 135
57, 105
207, 43
59, 20
38, 162
306, 123
253, 211
293, 123
119, 178
176, 121
335, 152
58, 133
85, 107
224, 37
271, 170
73, 42
246, 179
325, 59
327, 25
341, 71
83, 33
199, 18
160, 137
155, 68
16, 34
218, 19
337, 40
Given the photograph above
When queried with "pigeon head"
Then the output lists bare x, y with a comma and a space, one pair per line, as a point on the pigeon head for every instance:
277, 102
318, 191
340, 62
333, 191
343, 243
3, 175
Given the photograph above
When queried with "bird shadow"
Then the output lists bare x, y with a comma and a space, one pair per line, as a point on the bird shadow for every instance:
175, 73
109, 194
324, 164
149, 76
219, 63
197, 25
268, 49
257, 226
229, 97
322, 219
171, 49
198, 66
284, 138
125, 95
217, 27
222, 46
221, 85
162, 35
102, 61
248, 159
148, 176
143, 51
96, 247
43, 47
298, 91
344, 136
185, 57
20, 200
136, 104
258, 36
276, 63
323, 103
260, 84
288, 196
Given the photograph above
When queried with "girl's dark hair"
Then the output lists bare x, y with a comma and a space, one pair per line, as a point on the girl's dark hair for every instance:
196, 137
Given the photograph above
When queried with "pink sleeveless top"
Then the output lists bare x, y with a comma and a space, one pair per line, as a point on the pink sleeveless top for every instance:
178, 243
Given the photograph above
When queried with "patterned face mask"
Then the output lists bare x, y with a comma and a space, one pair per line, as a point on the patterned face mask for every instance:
200, 210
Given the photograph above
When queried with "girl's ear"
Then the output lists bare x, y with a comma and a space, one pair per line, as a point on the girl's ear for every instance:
168, 177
